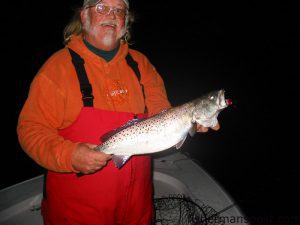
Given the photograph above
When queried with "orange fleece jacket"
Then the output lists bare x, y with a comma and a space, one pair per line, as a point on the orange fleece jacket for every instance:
54, 99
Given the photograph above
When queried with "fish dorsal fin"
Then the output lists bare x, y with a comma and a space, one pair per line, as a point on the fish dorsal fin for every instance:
180, 143
120, 160
130, 123
163, 111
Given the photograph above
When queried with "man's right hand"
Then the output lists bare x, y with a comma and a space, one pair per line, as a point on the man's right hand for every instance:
86, 160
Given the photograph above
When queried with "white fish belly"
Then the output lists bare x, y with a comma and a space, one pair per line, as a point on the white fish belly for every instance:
155, 139
144, 145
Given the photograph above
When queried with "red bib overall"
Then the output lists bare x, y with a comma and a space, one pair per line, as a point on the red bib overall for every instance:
110, 196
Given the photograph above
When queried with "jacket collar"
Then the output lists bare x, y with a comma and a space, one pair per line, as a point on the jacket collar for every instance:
76, 44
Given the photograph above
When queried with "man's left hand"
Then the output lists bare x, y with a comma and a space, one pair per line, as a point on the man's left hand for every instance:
202, 129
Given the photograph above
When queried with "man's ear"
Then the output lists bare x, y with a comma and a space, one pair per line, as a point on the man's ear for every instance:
82, 16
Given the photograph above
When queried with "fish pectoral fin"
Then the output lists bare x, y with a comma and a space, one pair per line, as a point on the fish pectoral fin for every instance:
120, 160
192, 131
180, 143
214, 122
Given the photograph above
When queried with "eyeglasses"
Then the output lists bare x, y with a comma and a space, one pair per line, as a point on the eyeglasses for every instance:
106, 10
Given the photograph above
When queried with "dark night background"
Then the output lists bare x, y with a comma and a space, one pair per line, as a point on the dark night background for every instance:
249, 48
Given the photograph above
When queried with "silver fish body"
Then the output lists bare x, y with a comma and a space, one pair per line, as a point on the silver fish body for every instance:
166, 129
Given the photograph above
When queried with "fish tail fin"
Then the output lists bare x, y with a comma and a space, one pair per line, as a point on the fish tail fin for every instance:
120, 160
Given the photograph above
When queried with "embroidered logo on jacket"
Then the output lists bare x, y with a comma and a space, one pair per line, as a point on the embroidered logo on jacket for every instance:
117, 91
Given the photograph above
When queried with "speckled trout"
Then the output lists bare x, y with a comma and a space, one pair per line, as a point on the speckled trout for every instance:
164, 130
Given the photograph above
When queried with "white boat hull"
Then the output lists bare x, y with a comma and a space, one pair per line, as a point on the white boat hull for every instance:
175, 174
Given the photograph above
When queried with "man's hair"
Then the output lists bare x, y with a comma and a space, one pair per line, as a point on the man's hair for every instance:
75, 27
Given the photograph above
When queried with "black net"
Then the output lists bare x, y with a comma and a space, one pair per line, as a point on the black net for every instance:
181, 210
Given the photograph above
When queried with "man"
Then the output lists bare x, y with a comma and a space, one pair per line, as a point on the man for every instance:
83, 91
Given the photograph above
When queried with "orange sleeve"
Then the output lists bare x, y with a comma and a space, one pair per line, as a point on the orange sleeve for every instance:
39, 120
154, 88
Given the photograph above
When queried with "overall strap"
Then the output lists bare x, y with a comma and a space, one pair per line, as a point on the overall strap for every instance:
135, 67
85, 86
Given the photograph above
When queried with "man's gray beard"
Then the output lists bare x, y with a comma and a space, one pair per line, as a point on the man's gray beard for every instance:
108, 39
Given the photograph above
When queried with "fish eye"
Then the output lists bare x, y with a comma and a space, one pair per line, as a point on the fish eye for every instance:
211, 97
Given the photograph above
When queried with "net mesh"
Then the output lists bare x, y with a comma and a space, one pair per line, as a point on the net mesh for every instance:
182, 210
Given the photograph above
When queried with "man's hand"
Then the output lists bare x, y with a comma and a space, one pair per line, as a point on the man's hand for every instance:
86, 160
202, 129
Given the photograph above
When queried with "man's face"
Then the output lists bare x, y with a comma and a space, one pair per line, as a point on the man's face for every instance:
104, 23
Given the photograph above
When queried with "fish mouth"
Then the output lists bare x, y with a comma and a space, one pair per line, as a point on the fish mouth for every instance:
222, 101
